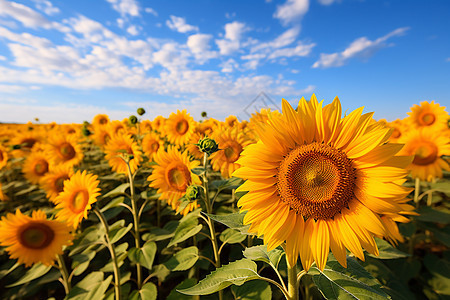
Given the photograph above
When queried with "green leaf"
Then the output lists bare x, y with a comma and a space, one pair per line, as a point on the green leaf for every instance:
231, 236
36, 271
387, 251
231, 183
160, 271
233, 221
260, 253
118, 191
81, 261
428, 214
440, 269
237, 273
147, 292
183, 259
187, 228
91, 287
145, 255
353, 282
198, 171
117, 233
252, 290
159, 234
113, 203
187, 283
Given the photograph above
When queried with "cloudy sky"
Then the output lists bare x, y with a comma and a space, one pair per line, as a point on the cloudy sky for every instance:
66, 61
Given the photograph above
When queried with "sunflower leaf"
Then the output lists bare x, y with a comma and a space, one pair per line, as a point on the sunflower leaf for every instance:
237, 272
144, 255
91, 287
188, 227
353, 282
231, 236
253, 290
260, 253
118, 191
36, 271
233, 221
183, 259
117, 233
147, 292
387, 251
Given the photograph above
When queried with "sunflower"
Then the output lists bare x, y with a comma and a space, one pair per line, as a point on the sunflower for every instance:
400, 128
318, 181
207, 127
53, 181
427, 145
151, 143
3, 197
231, 121
116, 128
192, 147
26, 140
79, 193
231, 143
3, 157
35, 167
158, 123
63, 149
100, 120
179, 127
146, 126
428, 115
33, 239
101, 136
172, 175
119, 145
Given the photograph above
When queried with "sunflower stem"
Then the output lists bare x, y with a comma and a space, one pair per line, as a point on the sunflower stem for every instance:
135, 214
65, 274
292, 282
417, 192
210, 223
112, 251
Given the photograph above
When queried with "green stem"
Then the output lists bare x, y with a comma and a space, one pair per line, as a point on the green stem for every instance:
416, 192
292, 281
135, 214
112, 251
65, 274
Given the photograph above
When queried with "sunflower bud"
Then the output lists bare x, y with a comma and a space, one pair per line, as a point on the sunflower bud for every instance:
140, 111
85, 131
208, 145
192, 192
133, 119
204, 114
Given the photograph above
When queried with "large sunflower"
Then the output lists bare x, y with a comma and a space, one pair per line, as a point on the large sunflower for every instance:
151, 143
318, 181
79, 193
33, 239
172, 175
53, 181
35, 167
119, 145
231, 143
428, 115
63, 149
179, 127
427, 145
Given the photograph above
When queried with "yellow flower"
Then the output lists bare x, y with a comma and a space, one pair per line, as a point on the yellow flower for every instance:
428, 115
179, 127
118, 146
26, 141
3, 197
35, 167
158, 123
53, 181
192, 147
101, 136
100, 120
33, 239
3, 157
231, 143
318, 182
231, 121
172, 175
427, 145
63, 149
400, 128
79, 193
151, 143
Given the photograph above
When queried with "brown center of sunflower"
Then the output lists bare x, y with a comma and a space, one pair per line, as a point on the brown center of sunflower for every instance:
36, 235
154, 146
316, 180
426, 153
78, 201
41, 167
103, 121
232, 150
1, 155
28, 143
59, 183
71, 131
178, 176
396, 133
427, 118
181, 127
66, 151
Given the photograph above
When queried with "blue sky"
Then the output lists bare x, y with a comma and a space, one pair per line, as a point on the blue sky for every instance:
66, 61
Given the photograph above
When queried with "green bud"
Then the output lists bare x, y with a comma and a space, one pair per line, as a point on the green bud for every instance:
208, 145
130, 156
16, 147
133, 119
85, 123
140, 111
192, 192
204, 114
85, 131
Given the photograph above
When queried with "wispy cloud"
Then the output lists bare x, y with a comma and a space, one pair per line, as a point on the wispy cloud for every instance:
126, 7
361, 47
179, 24
291, 11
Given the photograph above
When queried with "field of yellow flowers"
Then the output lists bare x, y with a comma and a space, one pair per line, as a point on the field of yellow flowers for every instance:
306, 203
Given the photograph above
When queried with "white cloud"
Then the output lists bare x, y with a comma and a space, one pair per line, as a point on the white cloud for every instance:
179, 24
126, 7
2, 57
233, 35
327, 2
200, 47
361, 47
133, 30
120, 22
47, 7
299, 50
229, 66
12, 88
150, 10
291, 11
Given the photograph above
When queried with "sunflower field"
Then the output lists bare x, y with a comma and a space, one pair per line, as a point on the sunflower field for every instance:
310, 202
